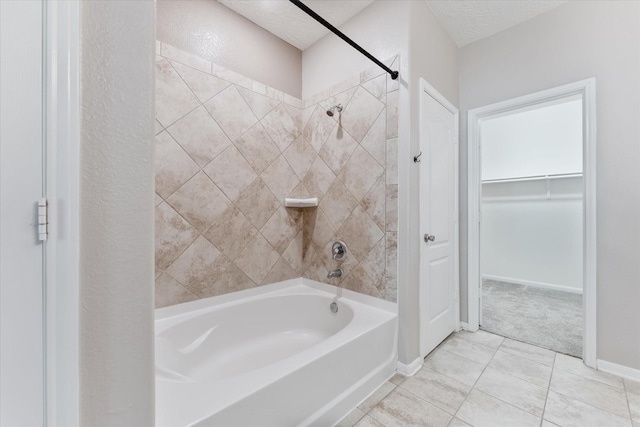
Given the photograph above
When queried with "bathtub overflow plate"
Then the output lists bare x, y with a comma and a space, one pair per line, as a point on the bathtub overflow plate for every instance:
334, 307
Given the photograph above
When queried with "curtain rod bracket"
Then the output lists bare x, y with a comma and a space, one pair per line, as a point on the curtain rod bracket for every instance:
334, 30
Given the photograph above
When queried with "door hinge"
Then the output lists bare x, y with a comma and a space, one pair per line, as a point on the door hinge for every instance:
456, 296
43, 219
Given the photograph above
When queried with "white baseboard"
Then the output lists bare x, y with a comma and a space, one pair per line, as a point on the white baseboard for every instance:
533, 283
410, 369
619, 370
464, 326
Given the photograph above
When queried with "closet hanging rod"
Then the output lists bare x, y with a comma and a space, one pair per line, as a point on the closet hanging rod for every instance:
534, 178
334, 30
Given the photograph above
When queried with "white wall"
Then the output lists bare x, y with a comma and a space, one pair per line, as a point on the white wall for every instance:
579, 40
542, 141
216, 33
116, 213
381, 28
410, 29
530, 239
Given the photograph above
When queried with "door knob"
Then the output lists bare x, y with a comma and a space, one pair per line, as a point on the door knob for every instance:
429, 238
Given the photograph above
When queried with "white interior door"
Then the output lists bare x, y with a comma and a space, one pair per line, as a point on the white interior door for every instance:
21, 185
438, 219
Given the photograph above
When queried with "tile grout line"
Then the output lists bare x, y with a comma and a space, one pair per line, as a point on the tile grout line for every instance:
626, 395
495, 397
546, 398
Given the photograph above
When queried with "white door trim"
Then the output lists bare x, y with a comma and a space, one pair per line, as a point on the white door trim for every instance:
62, 107
586, 88
426, 88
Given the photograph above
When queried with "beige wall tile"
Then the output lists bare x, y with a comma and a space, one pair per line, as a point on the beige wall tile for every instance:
319, 178
231, 280
257, 203
338, 204
169, 292
257, 259
200, 136
174, 99
392, 161
198, 266
258, 148
231, 232
392, 254
280, 178
377, 87
391, 216
199, 201
317, 228
360, 113
360, 233
392, 114
204, 85
374, 202
281, 127
173, 235
231, 172
375, 263
318, 128
283, 226
337, 149
293, 253
359, 281
281, 271
375, 140
260, 104
173, 166
360, 173
300, 156
231, 112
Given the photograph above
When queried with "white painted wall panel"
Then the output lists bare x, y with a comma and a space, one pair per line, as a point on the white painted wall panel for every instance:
535, 241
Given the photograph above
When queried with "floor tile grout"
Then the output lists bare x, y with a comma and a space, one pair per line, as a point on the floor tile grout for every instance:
542, 417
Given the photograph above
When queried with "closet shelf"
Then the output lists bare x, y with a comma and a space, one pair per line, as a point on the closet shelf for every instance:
533, 178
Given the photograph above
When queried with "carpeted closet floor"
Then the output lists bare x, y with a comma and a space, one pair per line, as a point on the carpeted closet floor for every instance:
547, 318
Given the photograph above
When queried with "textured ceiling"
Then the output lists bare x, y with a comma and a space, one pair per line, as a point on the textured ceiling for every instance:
470, 20
291, 24
465, 20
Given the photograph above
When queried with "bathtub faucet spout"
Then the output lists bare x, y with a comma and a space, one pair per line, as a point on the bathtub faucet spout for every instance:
334, 273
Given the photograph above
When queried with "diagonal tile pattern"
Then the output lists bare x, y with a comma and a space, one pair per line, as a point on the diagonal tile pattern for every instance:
482, 394
229, 150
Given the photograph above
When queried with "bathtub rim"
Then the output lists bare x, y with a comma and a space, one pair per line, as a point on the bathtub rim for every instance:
258, 292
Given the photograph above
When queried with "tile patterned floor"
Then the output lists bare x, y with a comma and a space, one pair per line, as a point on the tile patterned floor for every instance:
480, 379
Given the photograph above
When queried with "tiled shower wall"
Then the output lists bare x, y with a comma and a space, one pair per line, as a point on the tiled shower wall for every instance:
229, 150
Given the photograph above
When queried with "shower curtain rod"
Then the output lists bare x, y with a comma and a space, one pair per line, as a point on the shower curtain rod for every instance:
320, 19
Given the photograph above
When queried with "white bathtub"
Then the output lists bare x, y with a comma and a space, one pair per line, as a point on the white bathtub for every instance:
272, 356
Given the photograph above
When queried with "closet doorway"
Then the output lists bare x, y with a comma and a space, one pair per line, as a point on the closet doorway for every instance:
533, 235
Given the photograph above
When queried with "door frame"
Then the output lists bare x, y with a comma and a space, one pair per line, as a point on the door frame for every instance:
62, 182
587, 90
427, 90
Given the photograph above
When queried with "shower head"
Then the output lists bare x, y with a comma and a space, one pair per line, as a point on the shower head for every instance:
331, 110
